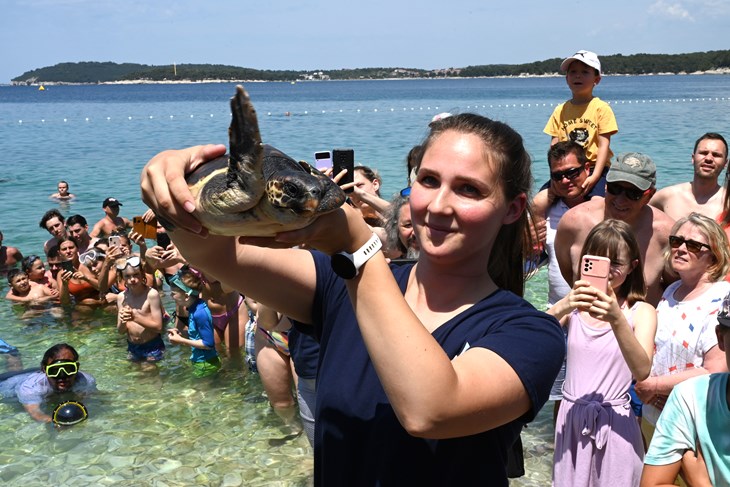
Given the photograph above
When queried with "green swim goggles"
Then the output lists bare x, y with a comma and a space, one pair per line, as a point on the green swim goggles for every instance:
62, 368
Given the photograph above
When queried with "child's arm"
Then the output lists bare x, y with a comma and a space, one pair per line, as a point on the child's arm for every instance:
17, 299
604, 141
637, 345
153, 321
122, 314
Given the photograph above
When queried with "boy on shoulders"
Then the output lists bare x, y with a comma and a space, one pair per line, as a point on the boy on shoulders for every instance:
584, 119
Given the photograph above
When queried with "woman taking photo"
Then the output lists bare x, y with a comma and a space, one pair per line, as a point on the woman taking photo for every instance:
428, 371
685, 343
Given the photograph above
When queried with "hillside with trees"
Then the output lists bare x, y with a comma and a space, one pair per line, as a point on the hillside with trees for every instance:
106, 72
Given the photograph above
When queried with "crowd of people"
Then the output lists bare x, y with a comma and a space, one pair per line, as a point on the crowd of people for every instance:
425, 353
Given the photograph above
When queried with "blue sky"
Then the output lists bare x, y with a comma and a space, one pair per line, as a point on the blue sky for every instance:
331, 34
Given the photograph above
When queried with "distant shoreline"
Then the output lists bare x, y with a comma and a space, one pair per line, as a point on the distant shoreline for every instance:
722, 71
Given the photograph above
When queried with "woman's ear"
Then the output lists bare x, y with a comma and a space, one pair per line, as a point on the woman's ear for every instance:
515, 209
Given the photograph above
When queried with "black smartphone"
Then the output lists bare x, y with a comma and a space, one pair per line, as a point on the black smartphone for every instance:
344, 159
67, 265
163, 239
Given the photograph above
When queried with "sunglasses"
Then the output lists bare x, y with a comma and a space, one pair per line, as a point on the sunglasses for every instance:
634, 194
132, 261
61, 367
405, 192
675, 241
90, 256
571, 174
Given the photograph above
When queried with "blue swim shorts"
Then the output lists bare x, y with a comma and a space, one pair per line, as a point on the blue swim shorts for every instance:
151, 351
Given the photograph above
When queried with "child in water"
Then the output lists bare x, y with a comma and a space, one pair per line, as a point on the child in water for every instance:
186, 287
610, 340
22, 290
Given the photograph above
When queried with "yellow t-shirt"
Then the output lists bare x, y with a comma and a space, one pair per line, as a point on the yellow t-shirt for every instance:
583, 124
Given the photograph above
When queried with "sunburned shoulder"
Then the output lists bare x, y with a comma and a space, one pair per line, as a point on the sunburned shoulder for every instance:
588, 213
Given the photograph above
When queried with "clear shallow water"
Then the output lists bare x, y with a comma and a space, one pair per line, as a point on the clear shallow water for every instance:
164, 426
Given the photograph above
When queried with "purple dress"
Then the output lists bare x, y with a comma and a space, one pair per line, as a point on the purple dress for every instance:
597, 437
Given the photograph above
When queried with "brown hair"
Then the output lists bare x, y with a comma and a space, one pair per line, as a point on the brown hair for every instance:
512, 167
606, 240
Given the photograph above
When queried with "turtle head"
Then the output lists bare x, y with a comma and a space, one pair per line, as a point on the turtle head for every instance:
304, 194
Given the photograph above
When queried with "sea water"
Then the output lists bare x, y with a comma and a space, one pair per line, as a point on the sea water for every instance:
163, 427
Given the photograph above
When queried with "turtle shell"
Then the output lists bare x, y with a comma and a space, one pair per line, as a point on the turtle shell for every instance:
257, 190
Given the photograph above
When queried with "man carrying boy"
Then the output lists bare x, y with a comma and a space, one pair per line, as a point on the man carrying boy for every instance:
703, 194
692, 431
140, 314
584, 119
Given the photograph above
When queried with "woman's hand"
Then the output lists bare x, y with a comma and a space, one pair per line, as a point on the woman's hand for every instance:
164, 189
647, 392
340, 230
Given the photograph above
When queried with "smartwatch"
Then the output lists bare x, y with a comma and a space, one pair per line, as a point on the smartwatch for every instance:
348, 265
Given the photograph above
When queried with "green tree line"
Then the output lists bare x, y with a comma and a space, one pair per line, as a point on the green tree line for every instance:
99, 72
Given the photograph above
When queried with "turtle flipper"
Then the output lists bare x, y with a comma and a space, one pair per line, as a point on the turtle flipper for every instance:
245, 161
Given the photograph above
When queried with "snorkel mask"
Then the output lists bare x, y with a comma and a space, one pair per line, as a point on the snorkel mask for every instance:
177, 282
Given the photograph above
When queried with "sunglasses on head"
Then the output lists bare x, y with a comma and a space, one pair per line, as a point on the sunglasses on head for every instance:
571, 174
90, 256
62, 367
132, 261
675, 241
634, 194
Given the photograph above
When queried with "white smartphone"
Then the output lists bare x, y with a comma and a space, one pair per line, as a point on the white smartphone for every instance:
595, 270
323, 160
115, 241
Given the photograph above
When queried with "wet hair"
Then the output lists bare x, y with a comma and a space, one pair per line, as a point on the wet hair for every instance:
711, 136
370, 174
562, 149
511, 164
391, 224
12, 273
606, 240
53, 252
74, 219
716, 239
66, 239
191, 277
48, 215
28, 261
51, 353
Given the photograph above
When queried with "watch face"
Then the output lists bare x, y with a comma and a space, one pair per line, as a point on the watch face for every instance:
343, 266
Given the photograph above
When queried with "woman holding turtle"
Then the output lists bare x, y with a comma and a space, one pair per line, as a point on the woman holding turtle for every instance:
428, 371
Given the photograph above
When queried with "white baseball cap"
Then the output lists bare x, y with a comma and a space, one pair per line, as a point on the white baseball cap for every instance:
586, 57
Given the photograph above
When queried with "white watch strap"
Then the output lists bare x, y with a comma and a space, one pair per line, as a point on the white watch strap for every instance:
364, 253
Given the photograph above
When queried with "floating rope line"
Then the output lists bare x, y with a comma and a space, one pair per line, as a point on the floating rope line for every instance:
427, 108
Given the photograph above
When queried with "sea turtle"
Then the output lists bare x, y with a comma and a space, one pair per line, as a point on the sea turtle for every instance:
257, 190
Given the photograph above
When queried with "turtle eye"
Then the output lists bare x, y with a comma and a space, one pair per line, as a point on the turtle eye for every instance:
291, 189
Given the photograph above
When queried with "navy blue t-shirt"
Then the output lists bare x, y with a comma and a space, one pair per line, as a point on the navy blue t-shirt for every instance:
304, 351
358, 439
